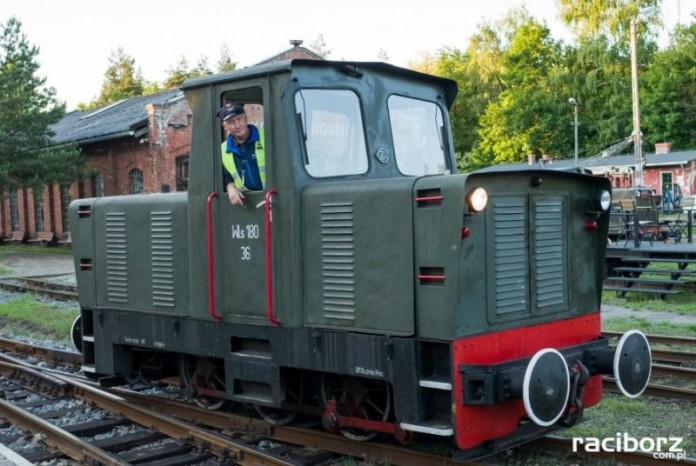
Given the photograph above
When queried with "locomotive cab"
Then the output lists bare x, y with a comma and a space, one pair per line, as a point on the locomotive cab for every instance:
367, 282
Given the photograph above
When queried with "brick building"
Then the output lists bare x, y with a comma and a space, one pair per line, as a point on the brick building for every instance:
139, 145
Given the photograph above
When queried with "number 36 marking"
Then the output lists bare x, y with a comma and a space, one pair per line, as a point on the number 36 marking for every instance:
246, 253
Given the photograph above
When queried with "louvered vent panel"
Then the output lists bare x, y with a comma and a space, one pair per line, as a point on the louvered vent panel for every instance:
116, 257
338, 260
162, 244
511, 255
550, 267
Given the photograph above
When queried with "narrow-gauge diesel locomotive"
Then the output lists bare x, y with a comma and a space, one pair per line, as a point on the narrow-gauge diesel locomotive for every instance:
368, 283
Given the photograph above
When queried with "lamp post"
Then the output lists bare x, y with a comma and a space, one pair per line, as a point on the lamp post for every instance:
637, 136
574, 103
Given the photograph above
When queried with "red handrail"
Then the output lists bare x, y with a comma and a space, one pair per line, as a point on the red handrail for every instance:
269, 262
211, 268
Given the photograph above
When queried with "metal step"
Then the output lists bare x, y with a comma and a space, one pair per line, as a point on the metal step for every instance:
436, 383
432, 427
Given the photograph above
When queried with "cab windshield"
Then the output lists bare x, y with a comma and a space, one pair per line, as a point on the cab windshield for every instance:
334, 135
418, 135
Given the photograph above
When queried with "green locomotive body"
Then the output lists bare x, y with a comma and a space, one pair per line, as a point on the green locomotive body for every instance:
367, 281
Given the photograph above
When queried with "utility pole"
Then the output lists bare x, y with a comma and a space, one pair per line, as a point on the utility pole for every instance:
574, 103
637, 136
637, 139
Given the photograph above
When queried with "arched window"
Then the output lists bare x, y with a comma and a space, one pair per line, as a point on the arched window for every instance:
136, 181
97, 185
64, 203
14, 211
182, 173
38, 210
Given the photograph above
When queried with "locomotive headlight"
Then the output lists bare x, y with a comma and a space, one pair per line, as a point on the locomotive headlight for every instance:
477, 199
605, 200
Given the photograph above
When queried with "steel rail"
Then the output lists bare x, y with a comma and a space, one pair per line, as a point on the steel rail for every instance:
313, 438
678, 357
49, 355
57, 438
686, 373
663, 391
666, 339
60, 295
40, 381
216, 444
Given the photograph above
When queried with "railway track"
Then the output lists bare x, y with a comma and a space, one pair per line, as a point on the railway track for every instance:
239, 434
41, 286
245, 432
95, 426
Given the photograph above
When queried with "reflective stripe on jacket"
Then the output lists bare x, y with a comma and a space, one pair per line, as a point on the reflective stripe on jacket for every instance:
245, 164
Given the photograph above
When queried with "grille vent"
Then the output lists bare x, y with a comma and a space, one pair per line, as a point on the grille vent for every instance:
511, 255
116, 257
338, 260
548, 253
162, 243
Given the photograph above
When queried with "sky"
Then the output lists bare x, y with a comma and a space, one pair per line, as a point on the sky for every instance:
76, 37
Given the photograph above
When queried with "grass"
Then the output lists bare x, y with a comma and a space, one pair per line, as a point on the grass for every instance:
7, 249
33, 318
682, 304
644, 417
649, 326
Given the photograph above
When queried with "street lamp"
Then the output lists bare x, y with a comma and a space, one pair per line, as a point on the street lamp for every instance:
574, 103
637, 136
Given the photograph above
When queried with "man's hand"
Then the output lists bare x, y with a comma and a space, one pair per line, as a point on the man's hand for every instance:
235, 195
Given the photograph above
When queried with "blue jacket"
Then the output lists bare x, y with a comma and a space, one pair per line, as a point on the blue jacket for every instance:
245, 164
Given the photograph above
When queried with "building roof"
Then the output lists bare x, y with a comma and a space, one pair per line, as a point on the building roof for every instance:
129, 117
119, 119
296, 51
621, 160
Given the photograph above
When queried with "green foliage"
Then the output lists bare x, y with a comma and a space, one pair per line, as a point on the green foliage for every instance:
594, 19
515, 81
225, 63
318, 46
668, 96
122, 80
27, 109
524, 118
182, 71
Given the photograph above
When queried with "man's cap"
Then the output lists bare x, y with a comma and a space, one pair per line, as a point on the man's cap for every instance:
229, 110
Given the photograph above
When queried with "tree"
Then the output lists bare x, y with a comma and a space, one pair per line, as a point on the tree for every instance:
318, 46
525, 117
668, 99
225, 63
181, 72
27, 110
122, 80
592, 19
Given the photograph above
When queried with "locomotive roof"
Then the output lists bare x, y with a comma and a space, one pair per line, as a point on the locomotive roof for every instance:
286, 66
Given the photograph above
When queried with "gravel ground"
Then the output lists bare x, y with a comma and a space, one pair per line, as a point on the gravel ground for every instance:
610, 312
56, 267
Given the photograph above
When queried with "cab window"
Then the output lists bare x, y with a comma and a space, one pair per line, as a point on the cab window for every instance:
418, 137
331, 125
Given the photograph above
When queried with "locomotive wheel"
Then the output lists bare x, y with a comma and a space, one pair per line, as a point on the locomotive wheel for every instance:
359, 398
76, 333
294, 393
200, 372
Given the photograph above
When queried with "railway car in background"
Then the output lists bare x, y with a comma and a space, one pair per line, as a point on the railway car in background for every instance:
368, 283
